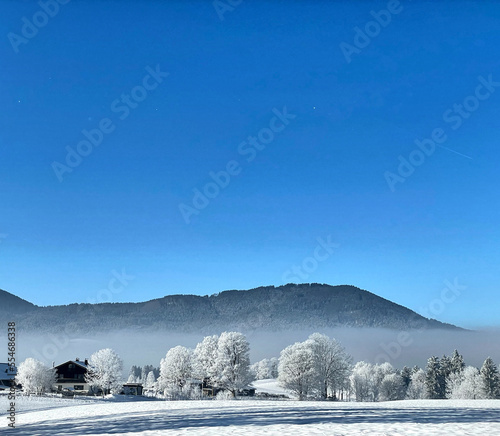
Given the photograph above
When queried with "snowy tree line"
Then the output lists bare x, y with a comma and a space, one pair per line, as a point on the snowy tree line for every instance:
146, 375
222, 362
443, 378
318, 368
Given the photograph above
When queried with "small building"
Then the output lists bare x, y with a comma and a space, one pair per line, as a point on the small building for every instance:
71, 377
249, 391
132, 389
6, 376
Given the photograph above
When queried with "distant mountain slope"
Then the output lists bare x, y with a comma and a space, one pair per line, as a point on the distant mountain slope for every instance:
10, 304
265, 308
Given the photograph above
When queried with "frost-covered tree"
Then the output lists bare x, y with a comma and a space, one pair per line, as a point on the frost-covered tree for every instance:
331, 363
233, 362
434, 379
392, 387
175, 368
105, 371
264, 369
362, 381
132, 379
457, 363
150, 380
490, 379
417, 388
406, 375
205, 359
466, 384
379, 372
296, 369
135, 371
35, 377
145, 370
273, 367
445, 366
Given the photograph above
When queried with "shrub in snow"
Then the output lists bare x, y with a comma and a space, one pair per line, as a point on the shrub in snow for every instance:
35, 377
174, 392
195, 393
105, 371
224, 396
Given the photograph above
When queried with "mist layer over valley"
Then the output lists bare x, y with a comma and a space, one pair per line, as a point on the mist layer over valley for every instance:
412, 347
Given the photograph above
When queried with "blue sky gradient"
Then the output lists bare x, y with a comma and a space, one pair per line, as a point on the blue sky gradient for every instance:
323, 175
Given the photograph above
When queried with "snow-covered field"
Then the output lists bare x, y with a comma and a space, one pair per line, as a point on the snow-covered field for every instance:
48, 416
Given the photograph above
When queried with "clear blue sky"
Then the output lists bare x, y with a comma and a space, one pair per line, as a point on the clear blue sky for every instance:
322, 174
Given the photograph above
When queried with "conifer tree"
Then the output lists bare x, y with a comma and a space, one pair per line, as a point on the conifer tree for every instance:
457, 363
434, 379
490, 378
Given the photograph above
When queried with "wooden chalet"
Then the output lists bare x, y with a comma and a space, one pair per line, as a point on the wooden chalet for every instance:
71, 377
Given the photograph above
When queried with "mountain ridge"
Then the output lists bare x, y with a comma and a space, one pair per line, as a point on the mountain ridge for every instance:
288, 306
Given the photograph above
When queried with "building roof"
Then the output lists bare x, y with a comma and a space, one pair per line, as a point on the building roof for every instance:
76, 362
4, 371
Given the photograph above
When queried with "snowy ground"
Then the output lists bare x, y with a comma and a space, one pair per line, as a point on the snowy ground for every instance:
46, 417
270, 386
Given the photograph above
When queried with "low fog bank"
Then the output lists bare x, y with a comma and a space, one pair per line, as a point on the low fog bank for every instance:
398, 348
374, 345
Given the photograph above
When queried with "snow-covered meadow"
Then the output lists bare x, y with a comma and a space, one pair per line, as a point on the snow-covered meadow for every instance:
47, 416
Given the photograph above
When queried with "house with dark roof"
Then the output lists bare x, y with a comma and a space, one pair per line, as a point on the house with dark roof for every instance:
71, 377
6, 375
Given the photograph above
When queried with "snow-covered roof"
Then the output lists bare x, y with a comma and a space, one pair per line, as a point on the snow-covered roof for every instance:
76, 362
4, 371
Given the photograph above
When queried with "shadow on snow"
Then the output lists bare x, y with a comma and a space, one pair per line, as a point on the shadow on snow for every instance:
175, 419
